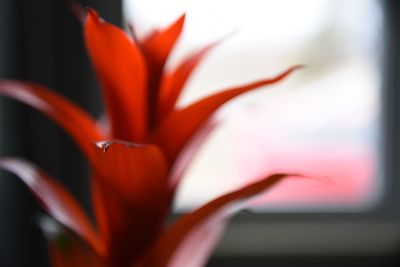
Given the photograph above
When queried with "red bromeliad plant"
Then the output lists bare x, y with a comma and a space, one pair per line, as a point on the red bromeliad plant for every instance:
133, 180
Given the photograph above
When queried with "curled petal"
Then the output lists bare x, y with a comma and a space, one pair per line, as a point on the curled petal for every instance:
72, 118
198, 226
55, 199
176, 130
122, 72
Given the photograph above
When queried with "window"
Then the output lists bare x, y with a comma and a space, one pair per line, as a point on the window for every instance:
333, 120
325, 116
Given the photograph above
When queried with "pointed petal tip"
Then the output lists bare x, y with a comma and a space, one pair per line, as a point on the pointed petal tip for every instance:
315, 177
229, 35
299, 66
122, 75
181, 19
180, 22
193, 116
78, 10
92, 14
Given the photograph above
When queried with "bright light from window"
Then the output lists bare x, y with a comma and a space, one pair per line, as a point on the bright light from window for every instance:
322, 122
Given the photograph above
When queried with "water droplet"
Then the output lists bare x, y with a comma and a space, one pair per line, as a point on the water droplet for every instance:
104, 145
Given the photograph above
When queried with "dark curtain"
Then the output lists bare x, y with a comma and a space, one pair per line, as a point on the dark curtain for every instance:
42, 41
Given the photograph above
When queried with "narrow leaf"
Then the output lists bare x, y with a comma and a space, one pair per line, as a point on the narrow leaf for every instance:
72, 118
172, 83
122, 72
55, 199
177, 129
167, 251
158, 45
156, 49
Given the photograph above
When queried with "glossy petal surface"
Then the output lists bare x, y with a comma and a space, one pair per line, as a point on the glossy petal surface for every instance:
130, 197
180, 125
79, 125
122, 72
55, 199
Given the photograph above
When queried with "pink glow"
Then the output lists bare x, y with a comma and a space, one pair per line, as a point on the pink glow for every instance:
341, 176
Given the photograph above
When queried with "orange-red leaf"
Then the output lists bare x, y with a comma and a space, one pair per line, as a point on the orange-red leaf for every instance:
55, 199
72, 118
167, 251
122, 72
158, 45
137, 171
172, 83
176, 130
130, 197
156, 49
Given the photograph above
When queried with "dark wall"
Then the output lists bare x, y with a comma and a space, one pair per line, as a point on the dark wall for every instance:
41, 41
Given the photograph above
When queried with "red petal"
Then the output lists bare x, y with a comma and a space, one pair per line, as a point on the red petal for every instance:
173, 83
130, 197
176, 130
158, 46
57, 201
156, 49
122, 72
73, 119
66, 249
187, 231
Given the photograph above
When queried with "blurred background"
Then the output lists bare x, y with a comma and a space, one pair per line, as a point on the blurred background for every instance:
335, 119
326, 115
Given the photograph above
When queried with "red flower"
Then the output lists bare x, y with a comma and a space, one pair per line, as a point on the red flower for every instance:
133, 181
